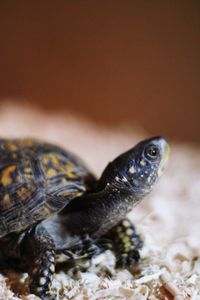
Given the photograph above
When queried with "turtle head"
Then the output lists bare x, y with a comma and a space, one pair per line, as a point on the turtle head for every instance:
139, 168
123, 184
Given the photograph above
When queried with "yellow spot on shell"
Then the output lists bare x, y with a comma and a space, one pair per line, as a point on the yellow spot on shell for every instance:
6, 179
24, 193
64, 180
71, 175
27, 170
51, 172
43, 211
6, 201
11, 147
45, 160
132, 170
26, 143
54, 159
69, 165
49, 158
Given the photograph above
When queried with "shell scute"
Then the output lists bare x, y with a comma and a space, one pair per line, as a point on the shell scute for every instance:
36, 180
55, 164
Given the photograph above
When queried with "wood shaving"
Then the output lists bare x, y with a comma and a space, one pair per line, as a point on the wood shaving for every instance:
168, 219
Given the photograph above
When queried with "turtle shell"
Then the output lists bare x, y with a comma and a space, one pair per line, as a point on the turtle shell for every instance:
36, 180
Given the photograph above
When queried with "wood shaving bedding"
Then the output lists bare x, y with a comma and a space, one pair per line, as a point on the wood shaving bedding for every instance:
168, 219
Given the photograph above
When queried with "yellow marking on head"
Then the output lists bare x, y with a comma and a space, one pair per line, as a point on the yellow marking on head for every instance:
142, 162
6, 201
125, 223
164, 160
132, 170
51, 172
11, 146
165, 157
6, 178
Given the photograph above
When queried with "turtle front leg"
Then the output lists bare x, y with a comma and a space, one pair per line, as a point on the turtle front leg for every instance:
79, 255
40, 249
85, 249
125, 243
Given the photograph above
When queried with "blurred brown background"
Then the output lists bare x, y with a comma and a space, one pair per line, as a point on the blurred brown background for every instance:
113, 61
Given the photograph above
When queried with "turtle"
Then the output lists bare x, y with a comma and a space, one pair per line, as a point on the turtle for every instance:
51, 204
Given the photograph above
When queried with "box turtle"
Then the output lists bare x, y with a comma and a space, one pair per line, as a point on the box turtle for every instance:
51, 204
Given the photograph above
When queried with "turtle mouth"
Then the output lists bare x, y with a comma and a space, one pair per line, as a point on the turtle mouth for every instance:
165, 157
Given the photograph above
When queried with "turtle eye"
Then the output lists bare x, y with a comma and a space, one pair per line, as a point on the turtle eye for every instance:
152, 152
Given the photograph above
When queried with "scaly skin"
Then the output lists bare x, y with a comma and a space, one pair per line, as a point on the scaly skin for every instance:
125, 243
98, 217
39, 248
